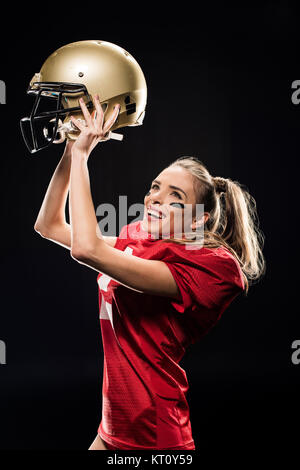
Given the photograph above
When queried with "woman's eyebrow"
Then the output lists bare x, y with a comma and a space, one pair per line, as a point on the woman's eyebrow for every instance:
171, 186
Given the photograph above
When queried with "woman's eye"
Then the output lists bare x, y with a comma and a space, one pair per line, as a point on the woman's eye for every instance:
177, 204
177, 195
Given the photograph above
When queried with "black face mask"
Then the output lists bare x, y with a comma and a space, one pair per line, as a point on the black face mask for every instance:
40, 129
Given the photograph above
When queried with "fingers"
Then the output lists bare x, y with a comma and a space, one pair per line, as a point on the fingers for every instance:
99, 110
85, 112
110, 122
77, 123
95, 120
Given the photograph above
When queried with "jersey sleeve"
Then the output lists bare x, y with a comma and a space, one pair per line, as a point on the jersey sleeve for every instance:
206, 278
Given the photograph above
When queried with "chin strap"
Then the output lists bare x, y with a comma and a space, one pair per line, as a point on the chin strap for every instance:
65, 128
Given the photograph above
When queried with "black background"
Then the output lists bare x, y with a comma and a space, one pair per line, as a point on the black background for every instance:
219, 87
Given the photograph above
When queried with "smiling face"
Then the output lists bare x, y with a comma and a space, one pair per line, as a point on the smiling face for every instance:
169, 204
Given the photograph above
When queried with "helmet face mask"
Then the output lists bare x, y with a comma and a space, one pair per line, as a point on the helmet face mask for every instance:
40, 129
81, 70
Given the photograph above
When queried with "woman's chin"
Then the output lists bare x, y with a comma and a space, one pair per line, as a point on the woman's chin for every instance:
153, 228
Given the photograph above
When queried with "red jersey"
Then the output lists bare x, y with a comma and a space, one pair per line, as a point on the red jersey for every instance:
144, 337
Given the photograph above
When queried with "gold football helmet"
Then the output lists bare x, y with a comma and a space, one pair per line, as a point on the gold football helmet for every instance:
83, 69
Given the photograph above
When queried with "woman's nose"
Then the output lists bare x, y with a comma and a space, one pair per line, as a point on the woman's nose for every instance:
156, 198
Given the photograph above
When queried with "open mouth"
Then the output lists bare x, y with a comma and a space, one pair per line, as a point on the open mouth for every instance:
154, 214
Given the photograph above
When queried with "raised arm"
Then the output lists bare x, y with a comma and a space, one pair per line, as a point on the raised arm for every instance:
51, 221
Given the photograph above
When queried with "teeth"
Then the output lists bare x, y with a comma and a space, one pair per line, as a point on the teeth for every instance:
153, 214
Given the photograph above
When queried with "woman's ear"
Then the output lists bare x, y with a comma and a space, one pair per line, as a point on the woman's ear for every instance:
201, 221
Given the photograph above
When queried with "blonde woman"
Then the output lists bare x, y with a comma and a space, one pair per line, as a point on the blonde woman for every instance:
156, 294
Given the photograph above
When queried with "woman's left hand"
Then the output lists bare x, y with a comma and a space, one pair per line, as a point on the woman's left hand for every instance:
94, 130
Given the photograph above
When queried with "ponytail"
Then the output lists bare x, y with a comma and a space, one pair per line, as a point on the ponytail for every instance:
238, 226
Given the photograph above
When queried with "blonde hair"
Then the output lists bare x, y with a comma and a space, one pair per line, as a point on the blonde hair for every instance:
233, 221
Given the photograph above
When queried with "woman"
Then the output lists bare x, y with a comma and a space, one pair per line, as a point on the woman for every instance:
156, 294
